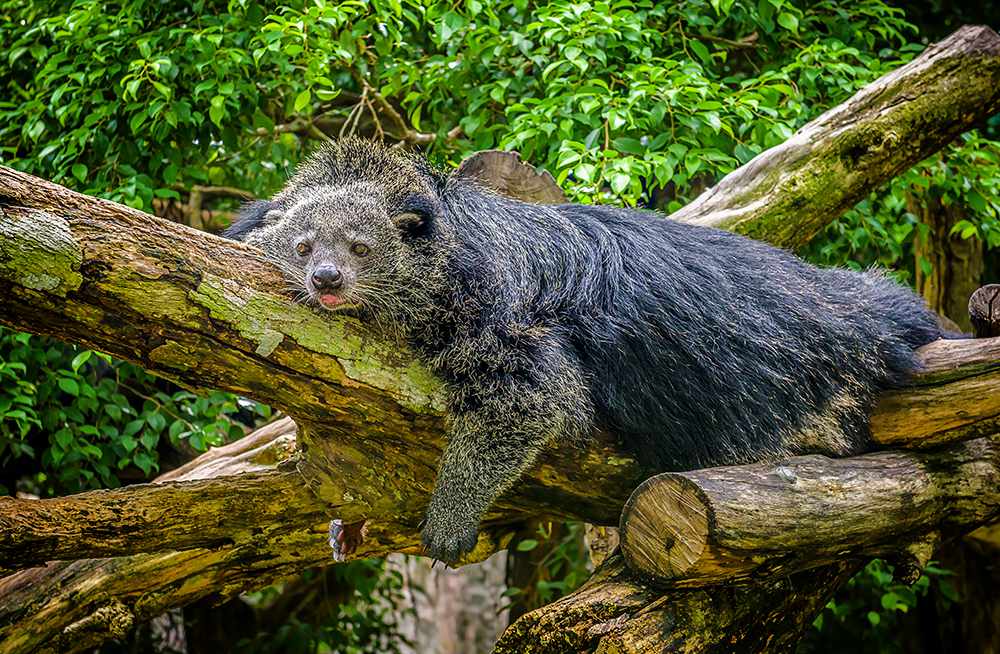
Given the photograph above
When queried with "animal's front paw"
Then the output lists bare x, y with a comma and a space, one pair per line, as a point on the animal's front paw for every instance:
447, 542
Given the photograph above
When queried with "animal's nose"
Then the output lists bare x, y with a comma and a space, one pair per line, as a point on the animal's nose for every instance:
327, 278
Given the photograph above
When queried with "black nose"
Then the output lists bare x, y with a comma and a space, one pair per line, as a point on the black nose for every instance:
327, 278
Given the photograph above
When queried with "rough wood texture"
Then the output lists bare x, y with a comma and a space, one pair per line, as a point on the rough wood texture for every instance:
758, 521
956, 397
788, 193
984, 311
614, 612
505, 173
209, 314
207, 513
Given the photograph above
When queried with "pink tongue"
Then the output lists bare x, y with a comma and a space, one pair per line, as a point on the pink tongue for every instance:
329, 300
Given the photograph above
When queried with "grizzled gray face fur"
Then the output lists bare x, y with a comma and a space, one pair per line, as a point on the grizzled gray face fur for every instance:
345, 242
338, 247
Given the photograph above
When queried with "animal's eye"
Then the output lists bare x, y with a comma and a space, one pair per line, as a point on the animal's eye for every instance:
303, 248
360, 249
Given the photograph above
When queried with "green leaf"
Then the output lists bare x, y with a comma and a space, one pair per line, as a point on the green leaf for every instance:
149, 439
137, 120
80, 172
64, 437
788, 21
80, 358
619, 182
144, 462
585, 172
156, 421
700, 50
133, 427
302, 100
216, 113
527, 545
69, 386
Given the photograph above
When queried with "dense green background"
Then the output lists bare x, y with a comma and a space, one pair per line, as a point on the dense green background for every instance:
184, 109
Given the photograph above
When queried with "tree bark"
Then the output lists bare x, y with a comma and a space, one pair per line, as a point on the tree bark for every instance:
614, 612
955, 263
209, 313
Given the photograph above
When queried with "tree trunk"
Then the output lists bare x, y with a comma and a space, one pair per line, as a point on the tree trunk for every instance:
949, 268
209, 313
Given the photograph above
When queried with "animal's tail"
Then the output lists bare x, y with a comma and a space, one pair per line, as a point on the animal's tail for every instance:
906, 323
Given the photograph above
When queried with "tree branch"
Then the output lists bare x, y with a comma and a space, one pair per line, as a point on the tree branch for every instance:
788, 193
173, 515
613, 613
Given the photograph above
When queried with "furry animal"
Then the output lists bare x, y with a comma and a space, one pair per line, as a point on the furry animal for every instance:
697, 347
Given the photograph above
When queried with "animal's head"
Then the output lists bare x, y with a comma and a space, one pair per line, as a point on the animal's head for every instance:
350, 228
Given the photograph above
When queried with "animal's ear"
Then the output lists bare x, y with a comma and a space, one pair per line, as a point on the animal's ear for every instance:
251, 216
410, 223
415, 217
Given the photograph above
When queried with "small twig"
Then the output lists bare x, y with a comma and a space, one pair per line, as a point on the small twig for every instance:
747, 42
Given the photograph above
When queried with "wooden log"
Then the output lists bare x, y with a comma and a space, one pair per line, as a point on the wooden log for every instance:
984, 311
742, 523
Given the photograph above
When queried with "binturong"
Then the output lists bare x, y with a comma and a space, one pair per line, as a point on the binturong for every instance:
696, 347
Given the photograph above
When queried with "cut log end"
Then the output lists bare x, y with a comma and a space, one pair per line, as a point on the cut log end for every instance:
984, 311
664, 526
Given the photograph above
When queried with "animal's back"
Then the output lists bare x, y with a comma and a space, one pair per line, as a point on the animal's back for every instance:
719, 349
701, 347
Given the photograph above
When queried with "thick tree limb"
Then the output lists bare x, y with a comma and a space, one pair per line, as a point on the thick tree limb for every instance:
70, 607
612, 612
756, 521
173, 515
788, 193
209, 314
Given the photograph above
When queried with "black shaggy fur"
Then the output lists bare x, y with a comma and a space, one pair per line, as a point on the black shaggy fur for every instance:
697, 347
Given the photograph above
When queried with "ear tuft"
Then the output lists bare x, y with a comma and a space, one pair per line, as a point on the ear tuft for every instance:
251, 216
410, 223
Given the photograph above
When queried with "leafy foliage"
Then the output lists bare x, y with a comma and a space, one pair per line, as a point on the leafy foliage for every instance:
874, 600
629, 102
564, 568
365, 621
77, 419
